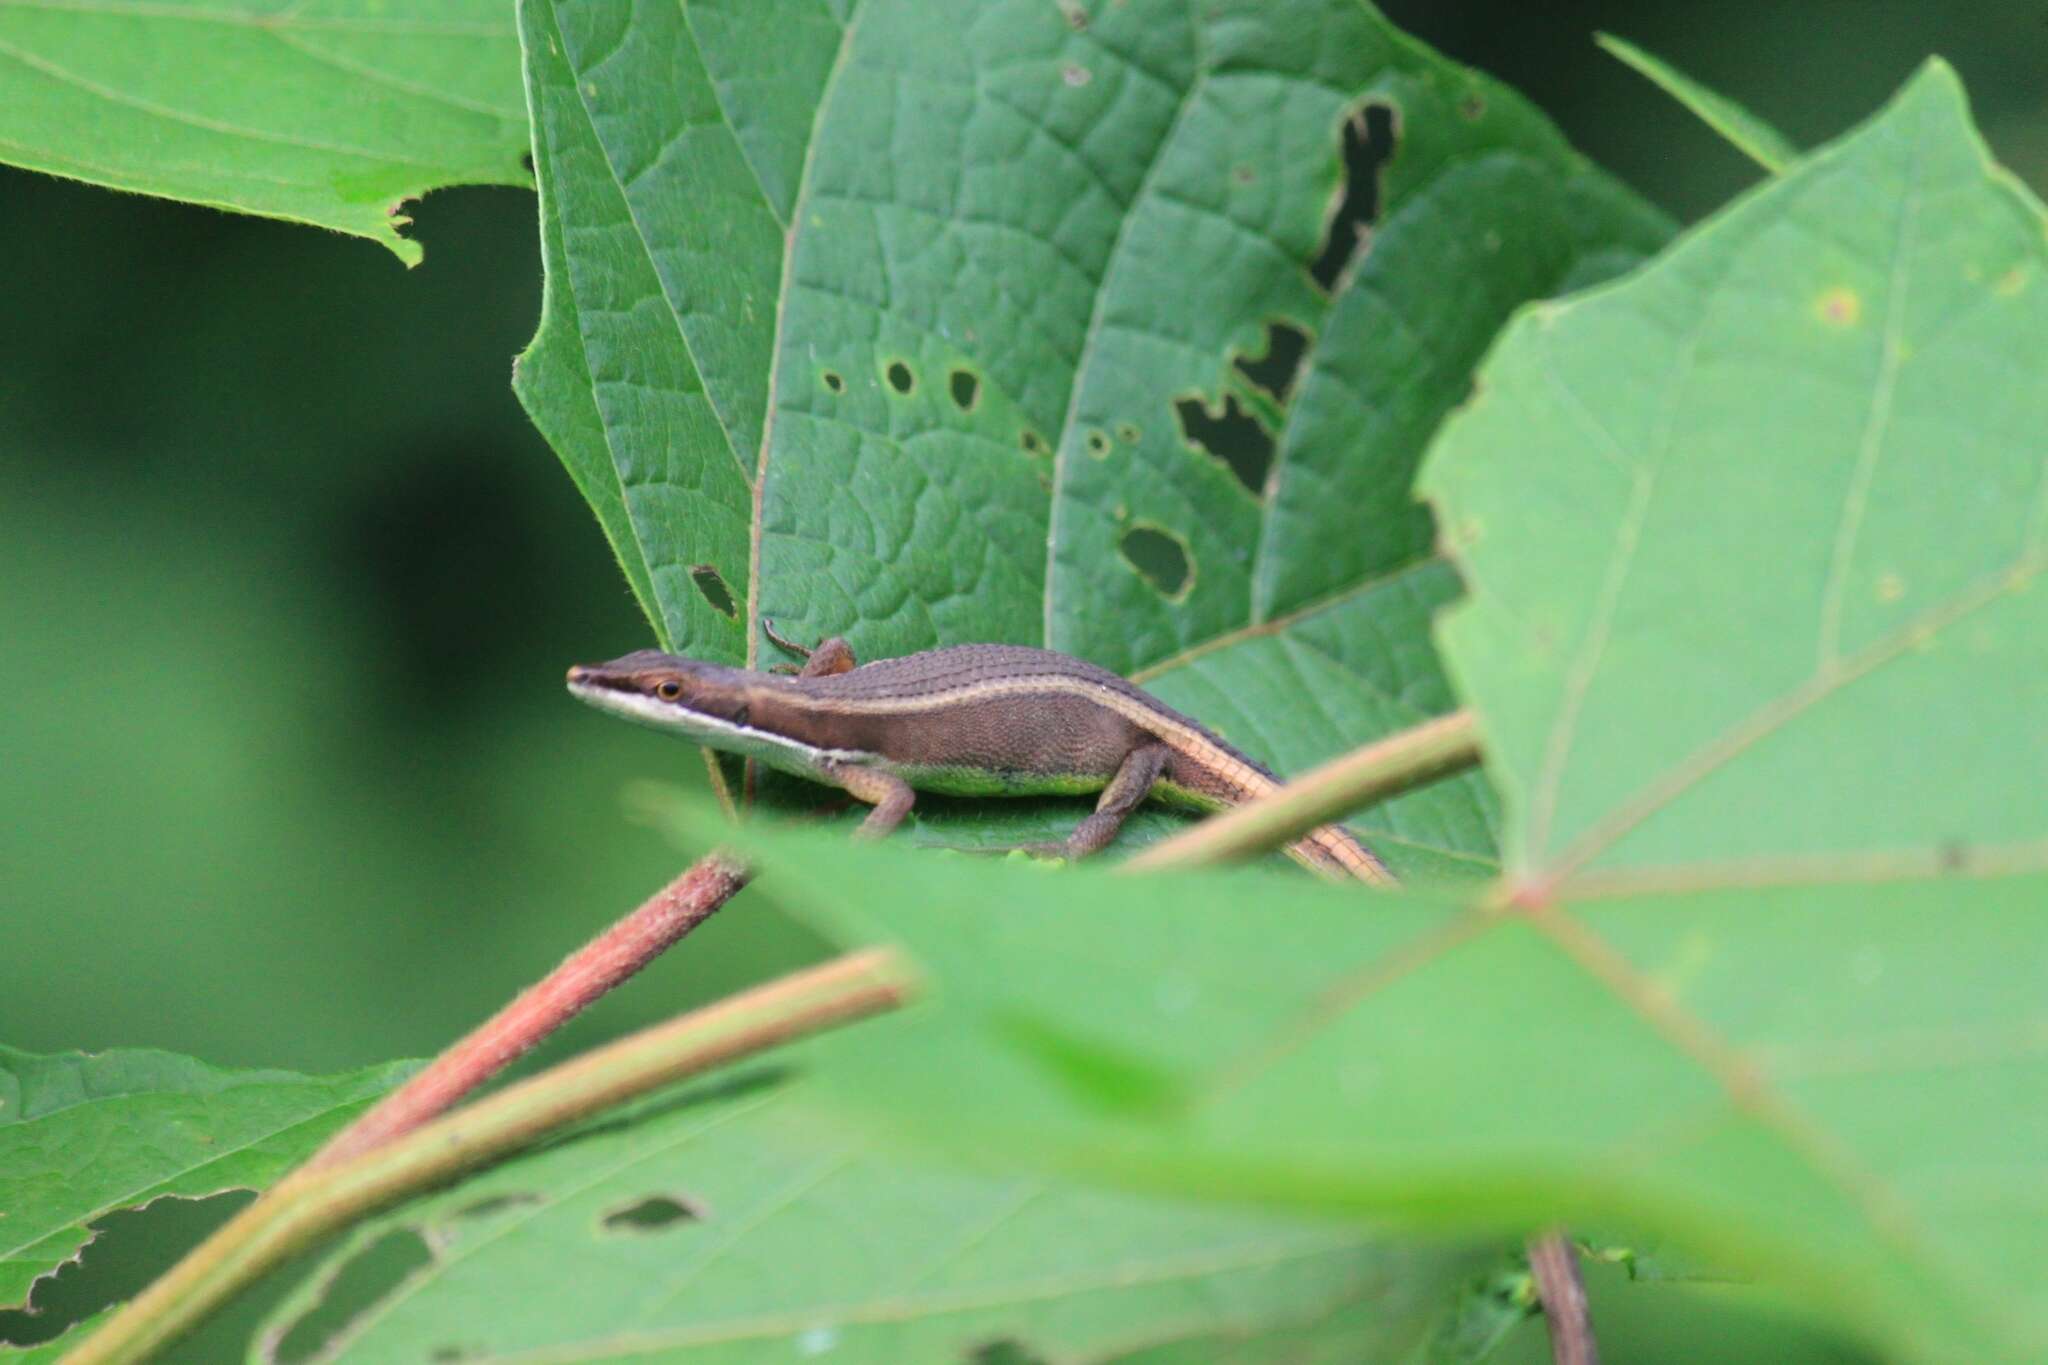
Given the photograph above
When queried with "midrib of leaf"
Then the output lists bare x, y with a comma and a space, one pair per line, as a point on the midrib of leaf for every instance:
1064, 443
791, 228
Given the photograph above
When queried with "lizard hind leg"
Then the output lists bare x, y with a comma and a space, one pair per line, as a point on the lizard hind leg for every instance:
832, 655
1124, 794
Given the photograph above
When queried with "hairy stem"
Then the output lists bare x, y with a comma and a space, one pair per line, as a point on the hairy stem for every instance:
1337, 788
553, 1001
316, 1199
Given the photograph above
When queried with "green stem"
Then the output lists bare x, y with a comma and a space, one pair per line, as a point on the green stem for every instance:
1359, 778
315, 1200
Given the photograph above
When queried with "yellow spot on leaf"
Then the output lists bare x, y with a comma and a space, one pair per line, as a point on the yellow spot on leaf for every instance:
1839, 307
1890, 587
2012, 282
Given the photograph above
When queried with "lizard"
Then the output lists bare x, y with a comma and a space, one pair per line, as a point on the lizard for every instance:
963, 720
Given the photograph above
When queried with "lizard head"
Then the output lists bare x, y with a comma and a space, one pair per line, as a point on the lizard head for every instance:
681, 695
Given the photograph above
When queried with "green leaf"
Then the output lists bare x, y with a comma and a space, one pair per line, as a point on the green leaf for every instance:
1744, 131
928, 324
1754, 540
1757, 635
332, 112
82, 1135
738, 1222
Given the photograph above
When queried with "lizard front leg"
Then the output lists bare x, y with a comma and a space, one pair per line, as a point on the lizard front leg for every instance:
889, 794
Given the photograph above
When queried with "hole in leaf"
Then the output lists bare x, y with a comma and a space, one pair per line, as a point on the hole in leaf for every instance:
1098, 443
1127, 432
1029, 439
363, 1281
526, 160
1161, 559
1367, 145
1243, 174
712, 585
655, 1213
834, 381
1473, 106
1004, 1352
1274, 371
497, 1203
129, 1248
965, 388
1233, 436
900, 378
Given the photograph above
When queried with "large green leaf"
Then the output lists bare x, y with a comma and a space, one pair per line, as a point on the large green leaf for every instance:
1839, 1089
83, 1135
331, 112
894, 320
737, 1222
1757, 636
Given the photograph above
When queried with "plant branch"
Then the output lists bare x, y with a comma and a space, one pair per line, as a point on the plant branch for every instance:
1337, 788
553, 1001
1562, 1290
315, 1199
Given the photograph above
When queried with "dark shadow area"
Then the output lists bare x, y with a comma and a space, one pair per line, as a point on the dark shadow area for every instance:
655, 1213
1275, 371
711, 585
1231, 435
1161, 559
1366, 144
132, 1247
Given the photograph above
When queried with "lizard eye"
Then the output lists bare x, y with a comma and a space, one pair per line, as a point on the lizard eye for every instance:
668, 690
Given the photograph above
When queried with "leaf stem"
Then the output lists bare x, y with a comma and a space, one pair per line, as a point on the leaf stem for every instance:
1378, 770
316, 1199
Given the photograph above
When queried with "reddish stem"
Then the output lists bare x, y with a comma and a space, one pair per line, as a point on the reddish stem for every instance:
553, 1001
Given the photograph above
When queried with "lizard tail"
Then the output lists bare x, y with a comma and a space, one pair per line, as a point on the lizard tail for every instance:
1332, 853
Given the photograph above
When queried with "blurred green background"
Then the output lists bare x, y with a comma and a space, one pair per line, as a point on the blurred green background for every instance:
287, 581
